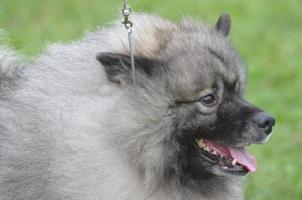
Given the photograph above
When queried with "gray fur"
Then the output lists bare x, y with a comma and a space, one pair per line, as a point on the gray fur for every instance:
66, 132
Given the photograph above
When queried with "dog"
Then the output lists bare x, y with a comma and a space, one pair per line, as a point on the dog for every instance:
75, 126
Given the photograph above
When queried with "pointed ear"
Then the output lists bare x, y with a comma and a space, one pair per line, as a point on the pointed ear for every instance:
118, 67
223, 24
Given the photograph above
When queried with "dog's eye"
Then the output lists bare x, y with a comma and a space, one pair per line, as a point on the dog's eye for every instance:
208, 100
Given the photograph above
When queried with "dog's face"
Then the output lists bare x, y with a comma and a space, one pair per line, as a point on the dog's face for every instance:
204, 79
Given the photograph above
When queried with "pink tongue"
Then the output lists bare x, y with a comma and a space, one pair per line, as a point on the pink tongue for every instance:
244, 158
240, 154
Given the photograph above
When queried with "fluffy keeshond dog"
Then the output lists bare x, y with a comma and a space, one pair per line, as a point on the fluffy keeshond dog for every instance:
73, 125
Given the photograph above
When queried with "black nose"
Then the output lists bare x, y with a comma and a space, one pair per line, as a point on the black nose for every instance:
264, 121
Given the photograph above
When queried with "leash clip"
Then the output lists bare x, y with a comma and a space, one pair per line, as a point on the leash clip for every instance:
126, 12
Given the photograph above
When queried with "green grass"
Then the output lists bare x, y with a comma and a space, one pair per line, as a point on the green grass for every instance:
266, 33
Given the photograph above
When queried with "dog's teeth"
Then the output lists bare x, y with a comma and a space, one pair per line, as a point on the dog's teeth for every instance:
234, 162
207, 148
201, 144
214, 152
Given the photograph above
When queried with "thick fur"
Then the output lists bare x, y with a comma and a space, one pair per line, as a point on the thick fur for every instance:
70, 130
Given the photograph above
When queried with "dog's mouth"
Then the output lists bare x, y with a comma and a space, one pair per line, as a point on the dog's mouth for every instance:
230, 160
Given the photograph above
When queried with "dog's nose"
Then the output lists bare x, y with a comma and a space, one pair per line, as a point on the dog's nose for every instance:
264, 121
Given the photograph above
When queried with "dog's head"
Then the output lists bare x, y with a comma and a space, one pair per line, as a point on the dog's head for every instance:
197, 80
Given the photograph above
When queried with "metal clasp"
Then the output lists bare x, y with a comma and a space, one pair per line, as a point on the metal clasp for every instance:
126, 11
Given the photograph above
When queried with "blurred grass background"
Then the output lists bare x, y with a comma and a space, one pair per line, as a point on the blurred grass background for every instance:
268, 35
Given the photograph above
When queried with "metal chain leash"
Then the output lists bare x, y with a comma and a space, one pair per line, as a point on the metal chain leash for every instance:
126, 11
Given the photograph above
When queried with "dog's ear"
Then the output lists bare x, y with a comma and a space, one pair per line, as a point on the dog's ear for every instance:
118, 67
223, 24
